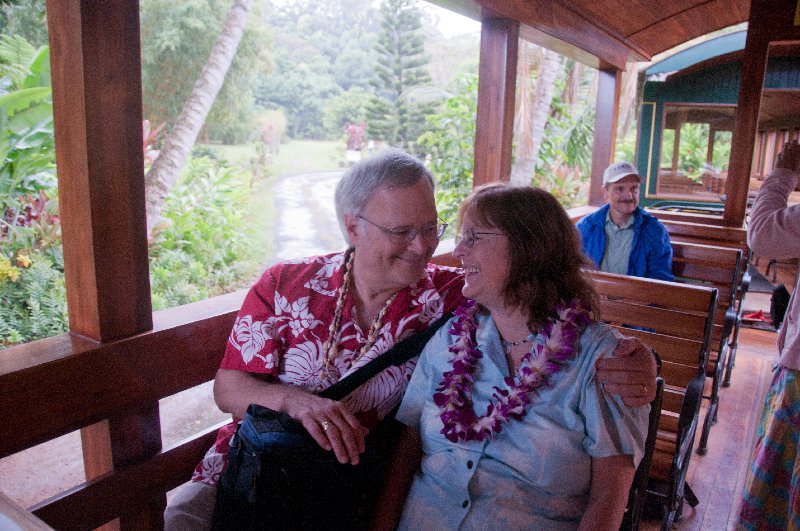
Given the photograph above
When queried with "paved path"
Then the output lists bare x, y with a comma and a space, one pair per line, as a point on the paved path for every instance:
306, 216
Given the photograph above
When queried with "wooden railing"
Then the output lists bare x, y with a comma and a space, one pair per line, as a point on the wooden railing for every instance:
60, 384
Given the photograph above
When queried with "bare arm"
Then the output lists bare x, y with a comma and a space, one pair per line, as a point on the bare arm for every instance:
608, 494
235, 390
399, 475
630, 373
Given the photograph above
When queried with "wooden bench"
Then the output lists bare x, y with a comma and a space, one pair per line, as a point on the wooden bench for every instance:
733, 237
716, 267
676, 320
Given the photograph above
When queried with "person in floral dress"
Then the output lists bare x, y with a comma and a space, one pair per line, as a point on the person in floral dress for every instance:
307, 323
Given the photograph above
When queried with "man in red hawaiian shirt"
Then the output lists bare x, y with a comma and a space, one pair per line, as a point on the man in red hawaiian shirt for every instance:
309, 322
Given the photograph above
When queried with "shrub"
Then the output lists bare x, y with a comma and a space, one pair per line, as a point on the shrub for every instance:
32, 297
204, 248
449, 142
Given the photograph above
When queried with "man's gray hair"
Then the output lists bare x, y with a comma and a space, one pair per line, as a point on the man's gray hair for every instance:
389, 169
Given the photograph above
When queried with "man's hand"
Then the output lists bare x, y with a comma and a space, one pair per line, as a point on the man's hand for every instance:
331, 424
631, 373
789, 157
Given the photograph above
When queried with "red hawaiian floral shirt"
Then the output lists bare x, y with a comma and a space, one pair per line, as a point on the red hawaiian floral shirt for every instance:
284, 323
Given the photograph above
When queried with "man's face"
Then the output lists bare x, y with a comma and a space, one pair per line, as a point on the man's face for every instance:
383, 255
623, 197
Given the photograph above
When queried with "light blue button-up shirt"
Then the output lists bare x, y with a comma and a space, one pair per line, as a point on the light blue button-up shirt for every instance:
619, 241
536, 473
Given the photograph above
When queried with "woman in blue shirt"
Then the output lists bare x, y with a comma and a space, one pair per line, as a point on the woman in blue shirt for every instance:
513, 427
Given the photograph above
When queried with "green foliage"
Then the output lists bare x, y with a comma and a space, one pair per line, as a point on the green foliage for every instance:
692, 149
26, 18
176, 40
396, 113
347, 107
322, 51
27, 147
449, 142
205, 249
301, 90
626, 147
33, 300
564, 164
722, 150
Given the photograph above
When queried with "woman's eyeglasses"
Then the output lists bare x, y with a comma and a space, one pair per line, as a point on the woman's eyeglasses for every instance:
429, 232
471, 236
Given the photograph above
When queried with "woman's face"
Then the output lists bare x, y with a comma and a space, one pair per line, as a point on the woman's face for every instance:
486, 257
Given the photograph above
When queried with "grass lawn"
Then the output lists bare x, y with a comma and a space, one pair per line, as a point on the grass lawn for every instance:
294, 156
302, 156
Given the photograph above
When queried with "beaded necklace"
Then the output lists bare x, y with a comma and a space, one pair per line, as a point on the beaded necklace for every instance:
454, 396
508, 344
331, 346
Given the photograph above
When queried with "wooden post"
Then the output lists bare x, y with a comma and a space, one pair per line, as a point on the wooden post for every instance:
496, 86
754, 64
97, 108
770, 20
605, 130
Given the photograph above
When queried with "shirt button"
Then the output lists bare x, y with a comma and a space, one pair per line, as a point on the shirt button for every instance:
464, 505
469, 464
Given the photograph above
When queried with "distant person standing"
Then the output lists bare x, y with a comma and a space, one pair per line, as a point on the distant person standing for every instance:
622, 238
772, 490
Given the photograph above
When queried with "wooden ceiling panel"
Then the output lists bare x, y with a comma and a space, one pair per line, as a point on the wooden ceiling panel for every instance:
619, 30
690, 23
627, 17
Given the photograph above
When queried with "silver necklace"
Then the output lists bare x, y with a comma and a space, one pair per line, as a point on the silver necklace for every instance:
508, 344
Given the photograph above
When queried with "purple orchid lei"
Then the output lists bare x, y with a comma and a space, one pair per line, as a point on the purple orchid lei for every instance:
454, 396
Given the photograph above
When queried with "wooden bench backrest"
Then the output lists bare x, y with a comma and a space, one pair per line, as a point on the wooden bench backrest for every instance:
713, 266
709, 265
684, 231
673, 319
671, 215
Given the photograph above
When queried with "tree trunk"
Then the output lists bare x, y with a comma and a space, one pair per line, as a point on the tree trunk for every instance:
528, 153
627, 100
529, 58
166, 168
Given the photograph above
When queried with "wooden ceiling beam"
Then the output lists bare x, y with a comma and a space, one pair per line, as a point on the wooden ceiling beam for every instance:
567, 31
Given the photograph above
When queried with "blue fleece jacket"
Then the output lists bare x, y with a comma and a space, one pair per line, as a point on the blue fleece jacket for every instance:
651, 252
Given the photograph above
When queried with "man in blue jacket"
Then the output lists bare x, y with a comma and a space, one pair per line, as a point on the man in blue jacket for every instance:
621, 237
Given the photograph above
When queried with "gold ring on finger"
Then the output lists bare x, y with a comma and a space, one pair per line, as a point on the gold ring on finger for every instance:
325, 425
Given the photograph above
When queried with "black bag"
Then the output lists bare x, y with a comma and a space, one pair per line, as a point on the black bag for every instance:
278, 477
778, 304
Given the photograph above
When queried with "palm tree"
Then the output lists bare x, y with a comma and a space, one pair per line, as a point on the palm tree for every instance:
534, 109
166, 168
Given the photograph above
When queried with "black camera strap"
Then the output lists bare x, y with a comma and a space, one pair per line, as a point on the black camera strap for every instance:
400, 353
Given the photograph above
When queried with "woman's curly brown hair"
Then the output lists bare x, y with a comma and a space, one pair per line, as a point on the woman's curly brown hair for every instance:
546, 254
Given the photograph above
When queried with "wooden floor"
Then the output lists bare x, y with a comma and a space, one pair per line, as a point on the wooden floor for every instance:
717, 477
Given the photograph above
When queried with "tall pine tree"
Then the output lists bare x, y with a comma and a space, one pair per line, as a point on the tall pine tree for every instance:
396, 114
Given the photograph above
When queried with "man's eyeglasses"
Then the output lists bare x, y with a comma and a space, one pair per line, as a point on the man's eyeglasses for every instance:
429, 232
471, 236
